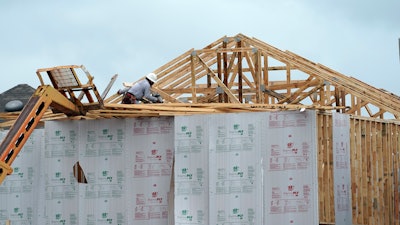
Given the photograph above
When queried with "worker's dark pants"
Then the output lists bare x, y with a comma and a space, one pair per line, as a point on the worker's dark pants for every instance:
129, 99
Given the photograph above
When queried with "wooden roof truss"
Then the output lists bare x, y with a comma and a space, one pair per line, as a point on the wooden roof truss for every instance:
241, 69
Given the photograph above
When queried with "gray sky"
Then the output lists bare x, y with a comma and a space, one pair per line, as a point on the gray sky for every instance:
358, 38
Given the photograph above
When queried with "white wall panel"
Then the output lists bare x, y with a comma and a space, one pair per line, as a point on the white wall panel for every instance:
150, 149
290, 169
191, 170
102, 158
235, 168
342, 169
18, 192
59, 196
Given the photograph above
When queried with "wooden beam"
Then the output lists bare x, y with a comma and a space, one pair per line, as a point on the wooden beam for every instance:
223, 50
220, 83
225, 68
219, 69
257, 77
293, 98
265, 77
110, 84
165, 95
192, 65
166, 69
288, 77
240, 72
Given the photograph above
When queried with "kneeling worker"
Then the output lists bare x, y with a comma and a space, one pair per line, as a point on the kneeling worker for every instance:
140, 90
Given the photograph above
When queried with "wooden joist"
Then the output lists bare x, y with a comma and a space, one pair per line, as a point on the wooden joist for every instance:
117, 110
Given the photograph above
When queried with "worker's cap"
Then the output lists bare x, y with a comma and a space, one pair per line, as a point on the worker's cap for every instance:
152, 77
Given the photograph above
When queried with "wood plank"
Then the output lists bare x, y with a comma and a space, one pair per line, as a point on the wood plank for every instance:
240, 72
354, 169
330, 190
225, 71
369, 197
220, 83
395, 165
378, 142
224, 50
359, 176
265, 77
257, 77
321, 167
365, 175
193, 63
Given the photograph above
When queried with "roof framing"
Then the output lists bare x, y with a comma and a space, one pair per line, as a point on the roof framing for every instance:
243, 74
241, 69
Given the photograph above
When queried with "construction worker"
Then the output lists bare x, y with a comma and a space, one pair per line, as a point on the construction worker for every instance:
140, 91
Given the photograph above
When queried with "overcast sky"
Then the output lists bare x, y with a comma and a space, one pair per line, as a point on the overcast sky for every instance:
358, 38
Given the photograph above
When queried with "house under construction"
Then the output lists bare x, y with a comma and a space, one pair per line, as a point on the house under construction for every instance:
241, 74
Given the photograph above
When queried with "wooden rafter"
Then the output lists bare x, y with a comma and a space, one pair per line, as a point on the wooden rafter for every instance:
236, 69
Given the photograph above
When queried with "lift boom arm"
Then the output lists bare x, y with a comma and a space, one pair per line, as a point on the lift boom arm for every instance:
44, 97
30, 116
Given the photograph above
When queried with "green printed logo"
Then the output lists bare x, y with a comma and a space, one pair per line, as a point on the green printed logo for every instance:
236, 127
58, 134
236, 170
184, 212
105, 174
183, 128
235, 211
184, 170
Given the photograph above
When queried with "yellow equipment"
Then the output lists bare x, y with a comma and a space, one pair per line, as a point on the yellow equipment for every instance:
60, 98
